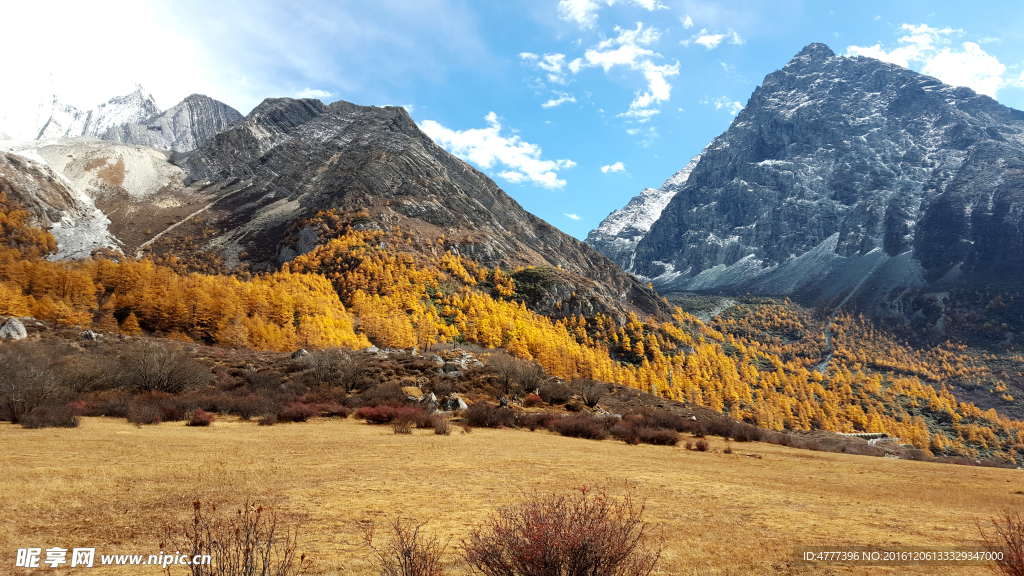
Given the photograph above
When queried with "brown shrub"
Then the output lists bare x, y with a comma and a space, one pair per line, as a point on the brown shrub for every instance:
200, 418
407, 552
532, 400
386, 414
702, 445
298, 412
51, 416
442, 424
268, 419
580, 426
1006, 539
555, 393
483, 415
585, 532
244, 543
158, 367
590, 391
28, 379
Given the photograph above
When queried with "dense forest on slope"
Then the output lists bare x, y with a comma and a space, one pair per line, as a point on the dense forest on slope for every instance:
760, 361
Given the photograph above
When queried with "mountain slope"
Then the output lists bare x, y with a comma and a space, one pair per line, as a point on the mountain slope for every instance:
617, 235
289, 159
849, 175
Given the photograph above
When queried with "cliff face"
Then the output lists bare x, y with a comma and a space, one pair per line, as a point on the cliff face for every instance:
289, 159
848, 174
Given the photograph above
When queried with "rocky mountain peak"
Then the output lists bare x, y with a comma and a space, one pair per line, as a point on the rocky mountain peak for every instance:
847, 176
815, 51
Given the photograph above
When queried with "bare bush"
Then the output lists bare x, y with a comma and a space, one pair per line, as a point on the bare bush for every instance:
247, 543
702, 445
62, 416
333, 367
517, 375
28, 379
156, 367
580, 426
585, 533
1007, 537
483, 415
555, 393
442, 424
590, 391
408, 552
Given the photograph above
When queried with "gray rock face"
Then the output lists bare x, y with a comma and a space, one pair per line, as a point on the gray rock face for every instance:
618, 234
292, 158
845, 174
13, 329
181, 128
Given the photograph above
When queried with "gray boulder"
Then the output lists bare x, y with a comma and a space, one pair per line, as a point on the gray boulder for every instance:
13, 329
90, 335
300, 353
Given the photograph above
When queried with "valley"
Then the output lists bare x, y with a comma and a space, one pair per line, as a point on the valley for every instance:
719, 514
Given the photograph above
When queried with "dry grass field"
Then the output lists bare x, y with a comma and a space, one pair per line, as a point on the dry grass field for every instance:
115, 486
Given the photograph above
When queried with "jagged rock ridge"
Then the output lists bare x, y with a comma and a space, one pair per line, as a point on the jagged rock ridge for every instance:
617, 235
846, 175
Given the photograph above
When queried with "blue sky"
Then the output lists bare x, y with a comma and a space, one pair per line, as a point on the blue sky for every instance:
572, 106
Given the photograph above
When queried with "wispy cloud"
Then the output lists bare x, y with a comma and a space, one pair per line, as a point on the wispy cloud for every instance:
713, 40
929, 49
629, 48
584, 12
313, 93
562, 98
519, 161
724, 103
617, 167
687, 22
572, 216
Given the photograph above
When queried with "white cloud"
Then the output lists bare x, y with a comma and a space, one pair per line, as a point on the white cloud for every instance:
972, 67
628, 48
563, 97
712, 41
487, 148
617, 167
724, 103
313, 93
927, 48
572, 216
408, 108
687, 22
584, 12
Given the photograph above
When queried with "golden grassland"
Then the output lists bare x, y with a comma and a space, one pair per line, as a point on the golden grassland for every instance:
115, 486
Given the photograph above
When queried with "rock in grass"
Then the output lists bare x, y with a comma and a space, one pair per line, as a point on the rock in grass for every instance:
13, 329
